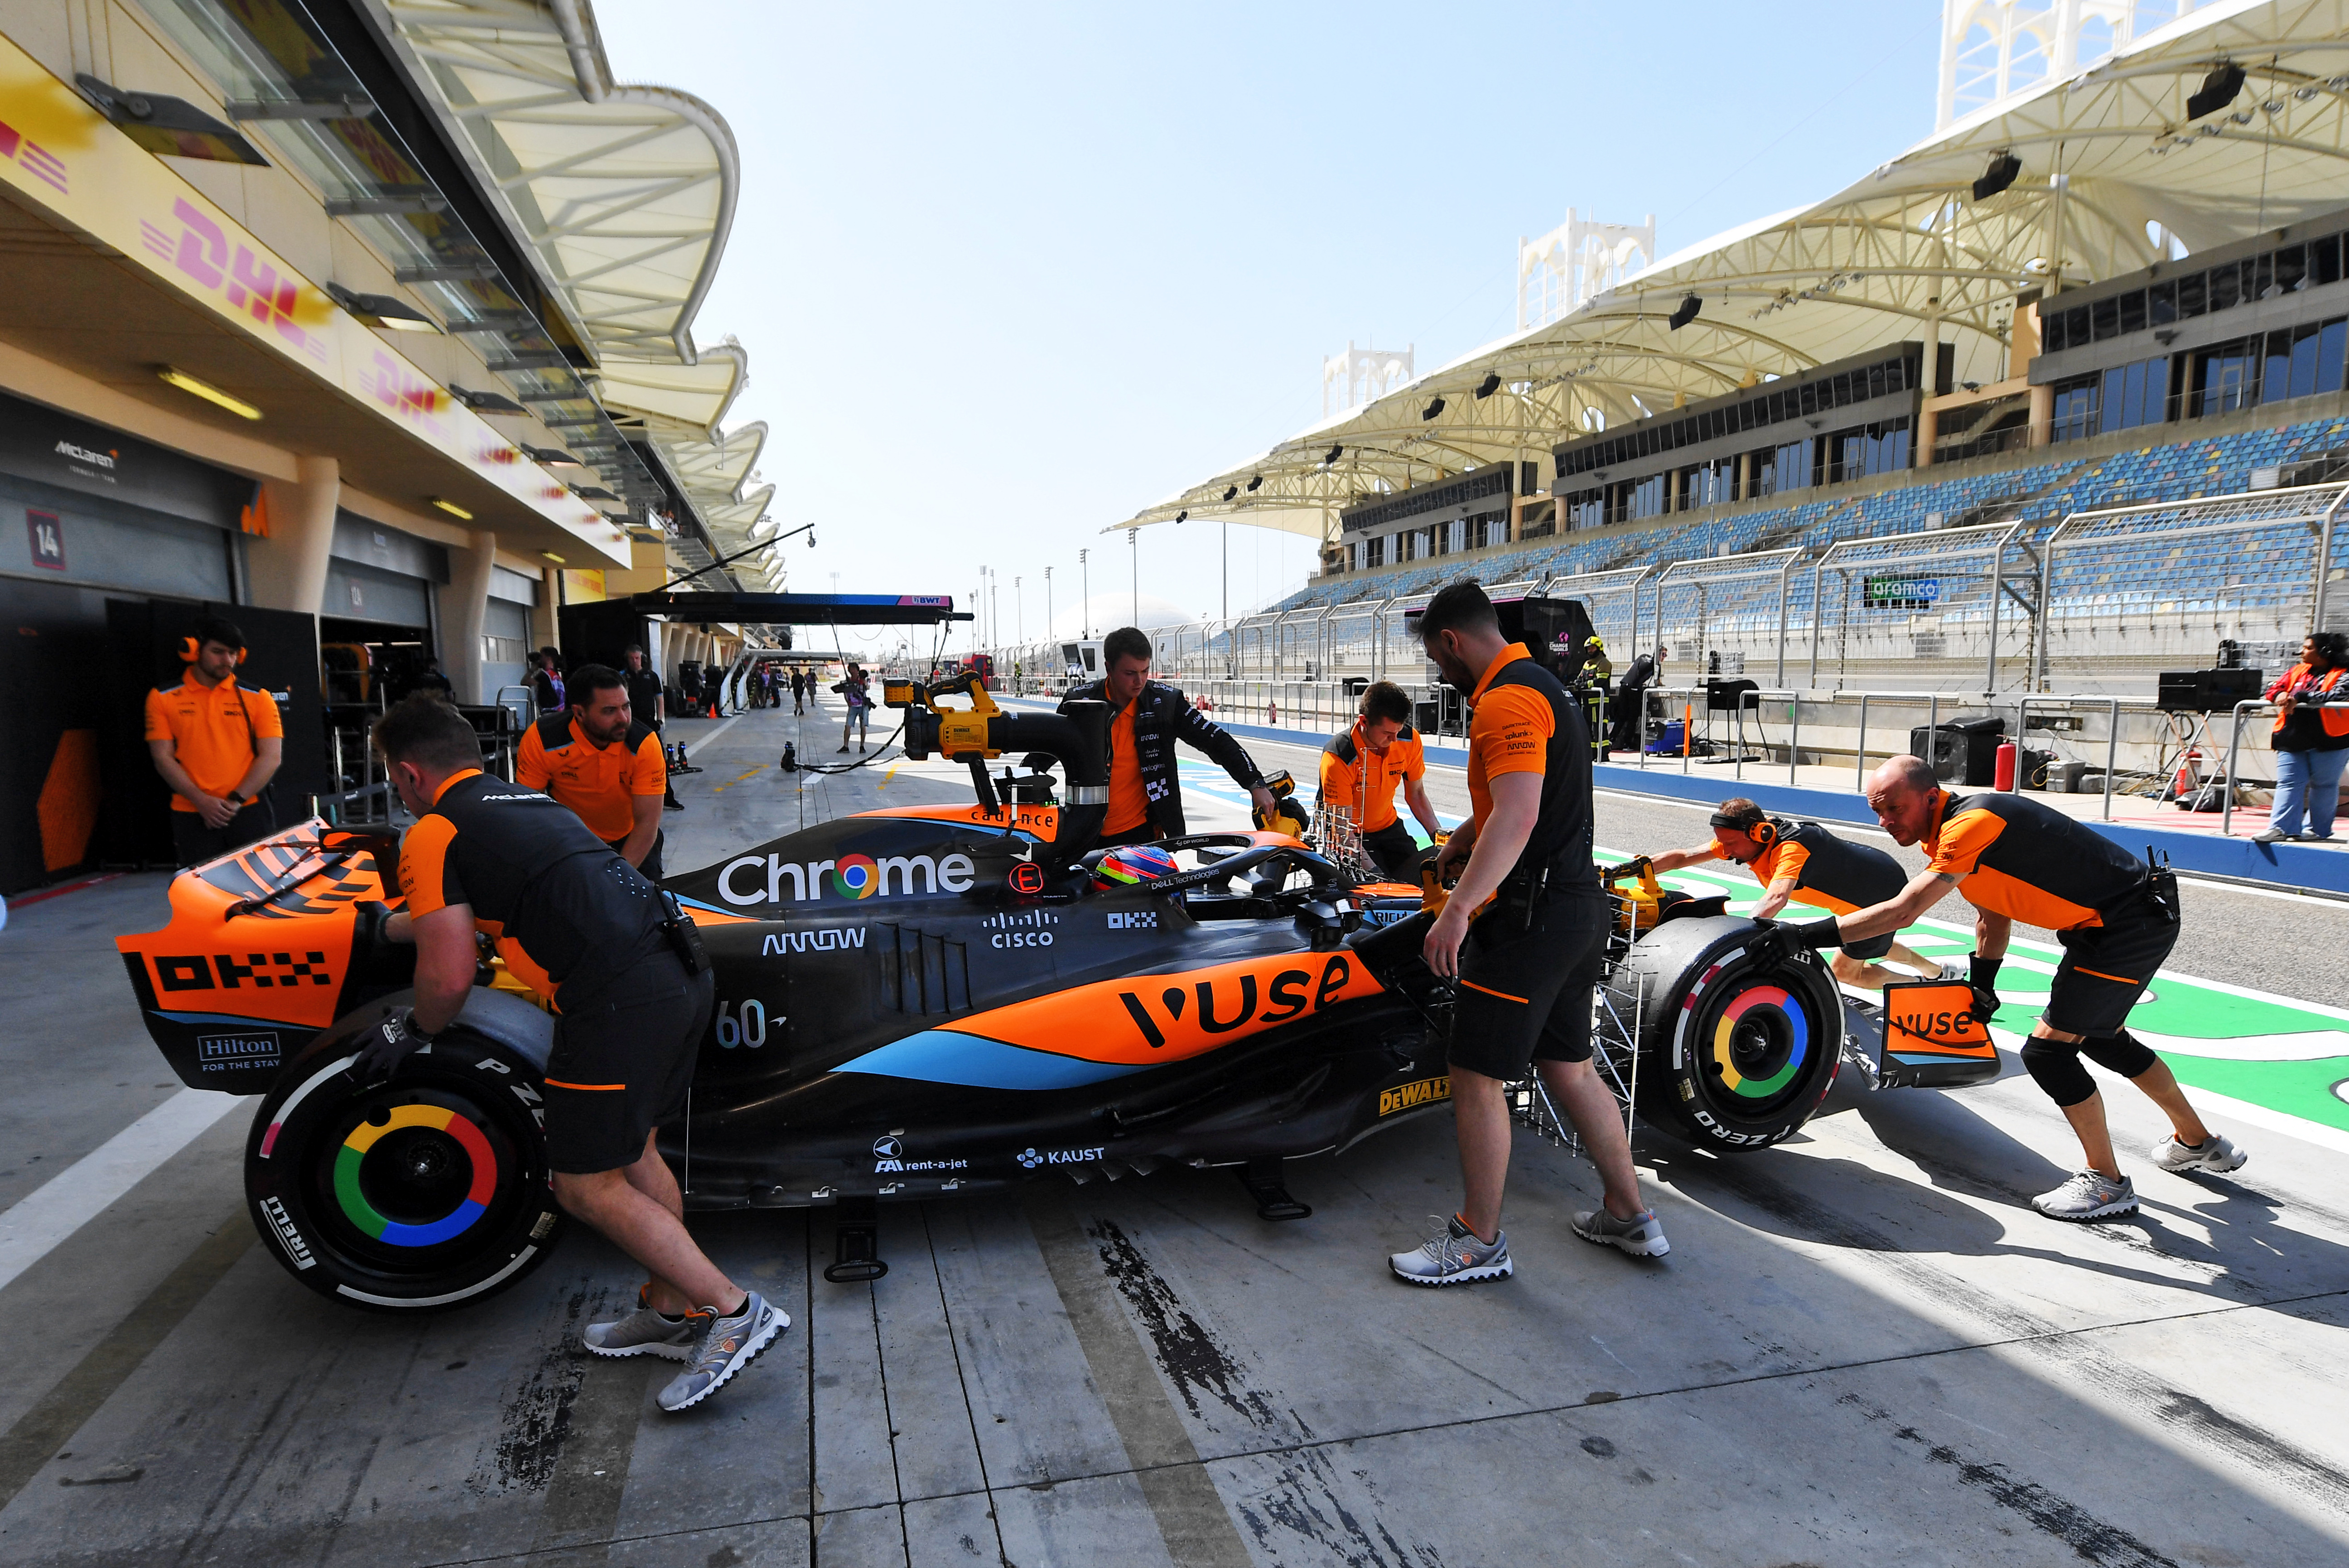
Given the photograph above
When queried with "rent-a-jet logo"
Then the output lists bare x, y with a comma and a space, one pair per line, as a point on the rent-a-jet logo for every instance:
852, 876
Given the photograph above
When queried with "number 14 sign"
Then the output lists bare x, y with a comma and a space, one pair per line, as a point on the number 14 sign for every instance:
47, 536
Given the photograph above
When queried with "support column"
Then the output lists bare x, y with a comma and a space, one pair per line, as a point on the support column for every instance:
465, 614
2043, 414
288, 570
1744, 476
1929, 429
545, 625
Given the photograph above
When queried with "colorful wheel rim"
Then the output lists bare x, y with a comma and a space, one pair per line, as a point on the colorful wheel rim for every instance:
438, 1118
1761, 1007
856, 877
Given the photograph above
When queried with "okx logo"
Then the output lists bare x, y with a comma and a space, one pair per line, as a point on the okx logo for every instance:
1133, 920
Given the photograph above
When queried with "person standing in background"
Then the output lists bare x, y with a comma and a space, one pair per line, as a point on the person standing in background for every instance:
860, 706
546, 684
2311, 741
217, 745
647, 702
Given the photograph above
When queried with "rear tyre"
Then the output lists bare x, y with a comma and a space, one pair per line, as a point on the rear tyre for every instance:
1735, 1055
428, 1191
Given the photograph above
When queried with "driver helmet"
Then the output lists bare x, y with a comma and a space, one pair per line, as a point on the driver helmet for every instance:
1132, 864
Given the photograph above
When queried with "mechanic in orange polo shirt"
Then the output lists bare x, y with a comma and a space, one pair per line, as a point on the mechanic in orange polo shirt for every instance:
597, 758
217, 745
2117, 919
1361, 769
1146, 718
1528, 966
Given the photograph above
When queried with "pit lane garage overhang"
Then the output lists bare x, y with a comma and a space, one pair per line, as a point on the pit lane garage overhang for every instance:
1904, 253
802, 609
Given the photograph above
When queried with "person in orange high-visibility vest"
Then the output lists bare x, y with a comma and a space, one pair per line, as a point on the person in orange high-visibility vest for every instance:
2311, 740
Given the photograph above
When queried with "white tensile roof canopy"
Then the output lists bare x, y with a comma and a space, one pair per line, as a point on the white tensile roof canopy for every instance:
1903, 253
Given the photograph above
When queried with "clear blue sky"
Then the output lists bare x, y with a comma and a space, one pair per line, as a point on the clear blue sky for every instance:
1008, 275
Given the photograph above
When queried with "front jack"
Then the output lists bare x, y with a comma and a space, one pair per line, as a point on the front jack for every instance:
1262, 1179
856, 1254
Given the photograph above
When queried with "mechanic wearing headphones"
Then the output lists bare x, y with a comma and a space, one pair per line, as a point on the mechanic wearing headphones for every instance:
1359, 771
1527, 967
1146, 718
632, 991
1802, 861
217, 745
2117, 920
596, 759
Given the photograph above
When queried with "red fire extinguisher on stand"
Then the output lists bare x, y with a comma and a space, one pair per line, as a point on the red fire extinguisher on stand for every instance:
2002, 779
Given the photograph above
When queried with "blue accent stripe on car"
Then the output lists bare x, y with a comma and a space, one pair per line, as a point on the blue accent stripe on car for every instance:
950, 1056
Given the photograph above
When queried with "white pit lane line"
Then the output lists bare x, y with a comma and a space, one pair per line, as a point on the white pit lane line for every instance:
37, 1224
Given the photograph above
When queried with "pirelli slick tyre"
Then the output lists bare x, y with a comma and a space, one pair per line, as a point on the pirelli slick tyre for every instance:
1734, 1055
425, 1192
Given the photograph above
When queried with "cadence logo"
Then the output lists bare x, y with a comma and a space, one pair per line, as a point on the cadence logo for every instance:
72, 454
852, 878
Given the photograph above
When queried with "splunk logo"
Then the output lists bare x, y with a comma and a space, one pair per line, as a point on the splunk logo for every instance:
1020, 930
852, 876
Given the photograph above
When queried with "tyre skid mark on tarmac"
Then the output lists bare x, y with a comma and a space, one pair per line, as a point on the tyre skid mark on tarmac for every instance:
2282, 1464
2090, 1538
534, 1414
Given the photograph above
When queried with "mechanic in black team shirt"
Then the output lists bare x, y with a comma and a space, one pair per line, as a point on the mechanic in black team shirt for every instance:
2014, 859
633, 994
1146, 718
1527, 967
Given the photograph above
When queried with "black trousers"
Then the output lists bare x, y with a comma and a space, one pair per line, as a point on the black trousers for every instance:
195, 843
652, 866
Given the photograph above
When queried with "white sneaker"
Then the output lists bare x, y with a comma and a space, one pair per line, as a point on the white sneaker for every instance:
1642, 1236
2217, 1155
2088, 1196
1453, 1256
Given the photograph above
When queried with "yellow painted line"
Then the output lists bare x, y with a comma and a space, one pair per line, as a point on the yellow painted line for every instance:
887, 776
729, 784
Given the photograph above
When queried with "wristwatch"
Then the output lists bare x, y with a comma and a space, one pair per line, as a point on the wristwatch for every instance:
233, 799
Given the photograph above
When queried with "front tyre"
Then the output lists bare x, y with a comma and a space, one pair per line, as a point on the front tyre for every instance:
421, 1194
1736, 1055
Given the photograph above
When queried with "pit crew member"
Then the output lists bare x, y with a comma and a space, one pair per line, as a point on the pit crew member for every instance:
1359, 771
1802, 862
217, 745
1146, 718
630, 1016
2015, 860
1527, 967
598, 760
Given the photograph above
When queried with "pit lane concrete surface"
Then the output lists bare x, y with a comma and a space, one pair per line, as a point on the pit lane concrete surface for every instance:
1864, 1349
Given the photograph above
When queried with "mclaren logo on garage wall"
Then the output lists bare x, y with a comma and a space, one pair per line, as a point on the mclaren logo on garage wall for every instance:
848, 879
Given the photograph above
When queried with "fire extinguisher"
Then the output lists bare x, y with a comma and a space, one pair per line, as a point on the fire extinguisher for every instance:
2184, 783
2002, 780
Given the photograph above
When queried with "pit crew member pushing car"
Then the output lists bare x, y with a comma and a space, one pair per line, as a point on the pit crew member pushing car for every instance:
596, 758
632, 995
2117, 919
1146, 718
1359, 771
1527, 967
1802, 862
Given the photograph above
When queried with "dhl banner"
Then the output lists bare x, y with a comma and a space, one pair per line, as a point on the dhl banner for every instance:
64, 159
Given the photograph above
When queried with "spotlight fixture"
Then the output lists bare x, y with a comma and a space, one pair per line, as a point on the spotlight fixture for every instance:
551, 556
1335, 453
551, 454
1258, 480
1488, 386
170, 126
2004, 168
2218, 90
491, 402
1971, 386
593, 493
451, 508
382, 310
1684, 314
1230, 492
207, 391
1180, 515
1431, 409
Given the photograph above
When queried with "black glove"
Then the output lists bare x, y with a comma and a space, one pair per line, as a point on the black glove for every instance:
390, 1044
1631, 867
1781, 941
1982, 974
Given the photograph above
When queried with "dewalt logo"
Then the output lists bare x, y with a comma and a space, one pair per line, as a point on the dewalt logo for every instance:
1411, 1097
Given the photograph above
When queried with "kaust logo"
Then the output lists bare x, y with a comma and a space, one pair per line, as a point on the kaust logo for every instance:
1031, 1158
851, 876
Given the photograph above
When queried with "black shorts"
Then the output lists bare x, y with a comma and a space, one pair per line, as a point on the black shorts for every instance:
1394, 852
622, 1063
194, 844
1870, 948
652, 866
2106, 968
1526, 995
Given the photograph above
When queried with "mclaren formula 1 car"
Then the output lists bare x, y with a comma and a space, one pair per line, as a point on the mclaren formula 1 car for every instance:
928, 1001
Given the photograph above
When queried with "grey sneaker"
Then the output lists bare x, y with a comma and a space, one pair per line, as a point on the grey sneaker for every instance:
2217, 1155
1642, 1235
644, 1331
1956, 969
2088, 1196
1453, 1256
727, 1344
2275, 836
